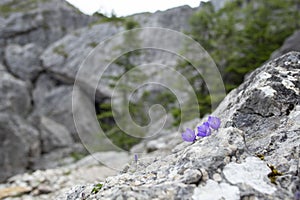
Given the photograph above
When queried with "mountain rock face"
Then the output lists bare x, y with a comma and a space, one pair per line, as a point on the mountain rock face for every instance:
42, 46
40, 22
65, 56
254, 155
27, 28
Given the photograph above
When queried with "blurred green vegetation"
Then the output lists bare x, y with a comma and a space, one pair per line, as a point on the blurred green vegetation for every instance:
105, 19
127, 22
105, 116
97, 188
241, 37
18, 6
78, 156
60, 50
139, 110
112, 131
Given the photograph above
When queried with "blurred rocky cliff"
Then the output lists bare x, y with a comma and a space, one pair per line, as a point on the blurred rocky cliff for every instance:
42, 46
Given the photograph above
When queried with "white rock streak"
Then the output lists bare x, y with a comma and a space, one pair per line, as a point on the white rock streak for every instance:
214, 191
253, 173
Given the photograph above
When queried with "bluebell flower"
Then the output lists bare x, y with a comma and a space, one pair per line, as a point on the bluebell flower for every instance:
204, 130
189, 135
297, 195
214, 122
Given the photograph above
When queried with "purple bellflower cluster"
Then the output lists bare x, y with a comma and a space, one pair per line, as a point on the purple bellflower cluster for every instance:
213, 123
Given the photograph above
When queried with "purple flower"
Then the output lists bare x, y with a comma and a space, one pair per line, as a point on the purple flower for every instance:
214, 122
297, 195
135, 157
204, 130
189, 135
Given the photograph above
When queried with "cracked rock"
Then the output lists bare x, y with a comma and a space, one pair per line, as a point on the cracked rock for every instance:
23, 62
255, 121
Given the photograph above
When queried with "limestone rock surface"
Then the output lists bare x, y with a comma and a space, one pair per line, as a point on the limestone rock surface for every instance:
259, 134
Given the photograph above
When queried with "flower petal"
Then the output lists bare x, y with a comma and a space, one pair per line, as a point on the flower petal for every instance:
204, 130
189, 135
214, 122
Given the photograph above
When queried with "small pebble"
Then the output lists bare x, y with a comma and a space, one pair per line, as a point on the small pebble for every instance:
217, 177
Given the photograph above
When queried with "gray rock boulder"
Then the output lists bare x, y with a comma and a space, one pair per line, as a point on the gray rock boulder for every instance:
40, 22
63, 106
54, 135
14, 95
255, 153
57, 106
24, 61
2, 68
292, 43
265, 100
65, 56
20, 146
43, 85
